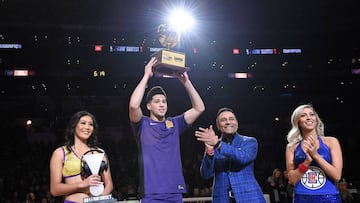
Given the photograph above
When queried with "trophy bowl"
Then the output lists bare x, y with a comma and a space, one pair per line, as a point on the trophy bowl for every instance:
167, 37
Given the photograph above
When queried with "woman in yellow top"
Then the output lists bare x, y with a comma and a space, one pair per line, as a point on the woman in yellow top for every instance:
69, 177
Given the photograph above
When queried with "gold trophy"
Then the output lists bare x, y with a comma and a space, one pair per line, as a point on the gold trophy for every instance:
170, 62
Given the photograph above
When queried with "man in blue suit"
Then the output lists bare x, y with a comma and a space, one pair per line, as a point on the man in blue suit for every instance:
230, 159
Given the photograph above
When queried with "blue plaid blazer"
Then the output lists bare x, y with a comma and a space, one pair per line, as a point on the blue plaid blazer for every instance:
232, 167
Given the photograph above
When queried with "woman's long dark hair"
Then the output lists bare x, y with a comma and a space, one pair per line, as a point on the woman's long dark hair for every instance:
70, 130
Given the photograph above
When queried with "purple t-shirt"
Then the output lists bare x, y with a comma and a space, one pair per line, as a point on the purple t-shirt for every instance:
159, 154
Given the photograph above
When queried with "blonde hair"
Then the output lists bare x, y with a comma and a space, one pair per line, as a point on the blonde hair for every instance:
294, 135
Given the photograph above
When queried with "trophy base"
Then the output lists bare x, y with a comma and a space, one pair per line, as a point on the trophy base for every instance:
169, 62
100, 199
162, 69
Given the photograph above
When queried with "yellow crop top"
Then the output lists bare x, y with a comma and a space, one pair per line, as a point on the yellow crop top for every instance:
72, 163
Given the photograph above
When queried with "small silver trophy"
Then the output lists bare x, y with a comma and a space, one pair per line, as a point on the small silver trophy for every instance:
94, 162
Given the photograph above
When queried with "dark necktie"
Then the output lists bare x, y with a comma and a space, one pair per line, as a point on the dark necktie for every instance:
228, 139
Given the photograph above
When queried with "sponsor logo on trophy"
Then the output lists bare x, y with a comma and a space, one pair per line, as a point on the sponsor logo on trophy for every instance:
169, 62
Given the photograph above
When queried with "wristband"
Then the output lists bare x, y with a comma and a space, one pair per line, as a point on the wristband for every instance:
209, 152
302, 168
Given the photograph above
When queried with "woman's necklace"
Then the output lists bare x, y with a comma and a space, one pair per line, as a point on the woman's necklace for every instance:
80, 151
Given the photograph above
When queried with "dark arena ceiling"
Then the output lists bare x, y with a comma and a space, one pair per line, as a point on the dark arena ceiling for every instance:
58, 41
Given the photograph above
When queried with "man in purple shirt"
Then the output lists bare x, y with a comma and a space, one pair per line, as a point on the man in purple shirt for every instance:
158, 138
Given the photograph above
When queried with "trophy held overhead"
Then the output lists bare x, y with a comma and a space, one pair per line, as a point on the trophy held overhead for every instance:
169, 62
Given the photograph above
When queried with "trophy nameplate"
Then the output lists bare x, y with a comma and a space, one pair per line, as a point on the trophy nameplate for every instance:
169, 62
99, 199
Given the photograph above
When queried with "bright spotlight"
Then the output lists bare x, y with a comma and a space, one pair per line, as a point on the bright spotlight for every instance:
28, 122
181, 21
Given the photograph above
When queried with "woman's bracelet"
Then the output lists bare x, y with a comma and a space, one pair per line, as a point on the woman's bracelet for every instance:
302, 168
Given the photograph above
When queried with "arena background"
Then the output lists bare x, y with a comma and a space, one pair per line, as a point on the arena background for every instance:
89, 55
